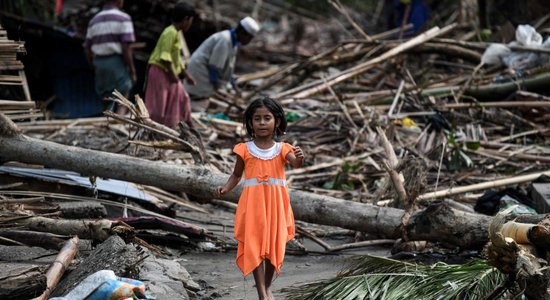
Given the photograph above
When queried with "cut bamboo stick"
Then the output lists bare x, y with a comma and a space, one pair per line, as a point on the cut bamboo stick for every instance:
482, 186
59, 266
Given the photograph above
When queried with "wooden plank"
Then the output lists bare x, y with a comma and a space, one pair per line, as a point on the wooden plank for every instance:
14, 104
21, 282
14, 78
25, 85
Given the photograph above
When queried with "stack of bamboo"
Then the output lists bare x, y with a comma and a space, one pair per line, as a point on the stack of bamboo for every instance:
12, 75
8, 52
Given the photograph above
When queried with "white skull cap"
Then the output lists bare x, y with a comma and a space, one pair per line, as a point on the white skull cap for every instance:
250, 25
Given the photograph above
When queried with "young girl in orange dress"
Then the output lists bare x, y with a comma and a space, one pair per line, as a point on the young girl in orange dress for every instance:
264, 222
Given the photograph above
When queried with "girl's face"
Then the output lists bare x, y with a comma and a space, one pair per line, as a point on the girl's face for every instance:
263, 122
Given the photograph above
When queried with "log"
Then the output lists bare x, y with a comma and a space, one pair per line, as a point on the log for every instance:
195, 180
177, 226
33, 238
21, 282
98, 230
468, 230
82, 210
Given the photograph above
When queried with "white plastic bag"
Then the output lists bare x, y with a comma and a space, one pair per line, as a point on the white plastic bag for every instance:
540, 59
526, 35
494, 53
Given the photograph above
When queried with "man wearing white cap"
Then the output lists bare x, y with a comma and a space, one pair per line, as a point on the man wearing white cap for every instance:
212, 64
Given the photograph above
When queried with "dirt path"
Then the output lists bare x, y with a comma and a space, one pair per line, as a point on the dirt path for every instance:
218, 273
223, 279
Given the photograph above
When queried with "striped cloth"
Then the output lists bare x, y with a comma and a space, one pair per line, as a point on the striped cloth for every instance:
107, 30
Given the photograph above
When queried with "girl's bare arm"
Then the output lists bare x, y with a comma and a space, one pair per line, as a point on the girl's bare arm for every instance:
233, 180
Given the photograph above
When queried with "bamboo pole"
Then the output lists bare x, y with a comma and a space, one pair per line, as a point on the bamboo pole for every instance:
319, 86
518, 156
12, 104
521, 134
488, 91
495, 104
329, 248
391, 167
59, 266
482, 186
61, 123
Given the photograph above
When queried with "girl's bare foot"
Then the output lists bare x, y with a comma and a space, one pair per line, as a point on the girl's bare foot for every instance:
269, 294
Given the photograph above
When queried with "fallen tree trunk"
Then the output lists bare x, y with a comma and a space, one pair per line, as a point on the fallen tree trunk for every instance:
21, 282
35, 238
98, 230
438, 224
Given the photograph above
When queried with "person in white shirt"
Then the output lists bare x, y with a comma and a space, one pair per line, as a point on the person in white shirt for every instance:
212, 64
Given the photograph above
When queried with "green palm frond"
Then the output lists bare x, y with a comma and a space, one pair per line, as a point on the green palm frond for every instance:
371, 277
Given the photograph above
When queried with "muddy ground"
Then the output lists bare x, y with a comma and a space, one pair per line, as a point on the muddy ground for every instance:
217, 272
221, 277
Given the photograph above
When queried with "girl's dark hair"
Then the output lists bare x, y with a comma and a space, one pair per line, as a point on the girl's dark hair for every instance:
274, 107
181, 11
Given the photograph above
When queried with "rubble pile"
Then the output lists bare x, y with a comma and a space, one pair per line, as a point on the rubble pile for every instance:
402, 125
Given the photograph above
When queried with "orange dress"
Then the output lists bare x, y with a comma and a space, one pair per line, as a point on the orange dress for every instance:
264, 221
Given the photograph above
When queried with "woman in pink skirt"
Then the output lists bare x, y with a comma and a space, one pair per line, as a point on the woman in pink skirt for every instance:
166, 100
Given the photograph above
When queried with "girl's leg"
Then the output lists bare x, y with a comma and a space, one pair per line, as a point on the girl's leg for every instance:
269, 272
259, 278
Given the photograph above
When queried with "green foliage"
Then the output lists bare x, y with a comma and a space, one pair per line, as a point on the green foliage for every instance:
473, 145
342, 180
371, 277
485, 34
457, 158
292, 116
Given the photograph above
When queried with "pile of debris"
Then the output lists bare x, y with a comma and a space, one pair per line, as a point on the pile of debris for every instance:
389, 126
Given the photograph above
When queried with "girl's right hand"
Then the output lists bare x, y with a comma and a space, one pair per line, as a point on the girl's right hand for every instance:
219, 192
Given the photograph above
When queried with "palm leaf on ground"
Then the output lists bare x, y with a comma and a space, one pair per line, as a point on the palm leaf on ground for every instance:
371, 277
